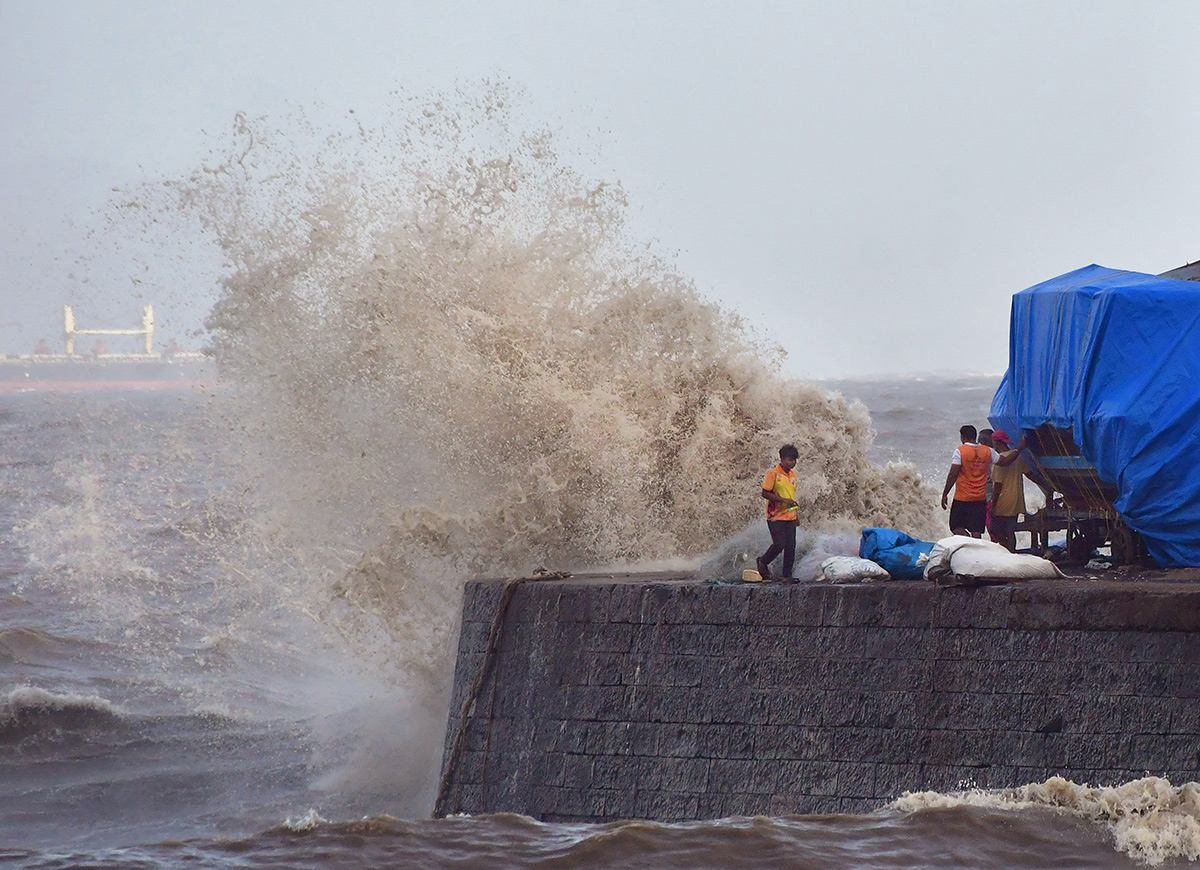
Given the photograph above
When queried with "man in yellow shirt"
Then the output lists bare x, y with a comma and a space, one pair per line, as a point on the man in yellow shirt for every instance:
1008, 497
779, 489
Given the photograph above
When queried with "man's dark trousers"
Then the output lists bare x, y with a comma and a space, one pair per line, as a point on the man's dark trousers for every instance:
783, 540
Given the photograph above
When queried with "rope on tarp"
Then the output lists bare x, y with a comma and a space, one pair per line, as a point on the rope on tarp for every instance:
485, 669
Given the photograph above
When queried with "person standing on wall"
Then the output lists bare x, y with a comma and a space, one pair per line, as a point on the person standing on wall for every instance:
968, 477
779, 489
985, 438
1008, 496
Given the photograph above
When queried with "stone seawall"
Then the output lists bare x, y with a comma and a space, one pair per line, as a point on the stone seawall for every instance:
660, 697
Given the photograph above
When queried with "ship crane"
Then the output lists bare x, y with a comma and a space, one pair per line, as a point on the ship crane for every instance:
70, 330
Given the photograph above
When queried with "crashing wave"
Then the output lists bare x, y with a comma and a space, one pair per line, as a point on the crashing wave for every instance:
1149, 819
446, 356
451, 349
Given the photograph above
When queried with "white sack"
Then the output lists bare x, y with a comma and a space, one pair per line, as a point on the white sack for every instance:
960, 555
808, 565
1035, 499
852, 569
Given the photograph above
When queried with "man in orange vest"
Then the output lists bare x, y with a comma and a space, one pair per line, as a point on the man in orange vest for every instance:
968, 477
779, 489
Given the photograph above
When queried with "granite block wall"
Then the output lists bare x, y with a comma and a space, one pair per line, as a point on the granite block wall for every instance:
654, 696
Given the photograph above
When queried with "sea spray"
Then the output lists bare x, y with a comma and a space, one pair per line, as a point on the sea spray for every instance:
450, 358
465, 328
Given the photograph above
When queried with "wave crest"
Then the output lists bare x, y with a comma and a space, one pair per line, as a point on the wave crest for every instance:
1149, 819
28, 710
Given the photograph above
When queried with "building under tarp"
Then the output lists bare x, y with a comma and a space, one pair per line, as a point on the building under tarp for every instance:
1190, 272
1113, 358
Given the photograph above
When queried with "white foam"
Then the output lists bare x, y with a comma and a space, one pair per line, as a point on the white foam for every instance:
1149, 819
310, 821
27, 700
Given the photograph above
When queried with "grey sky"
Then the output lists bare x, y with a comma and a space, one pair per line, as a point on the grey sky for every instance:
867, 182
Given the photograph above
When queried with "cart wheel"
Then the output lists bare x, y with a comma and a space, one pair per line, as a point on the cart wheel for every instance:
1082, 539
1078, 548
1124, 550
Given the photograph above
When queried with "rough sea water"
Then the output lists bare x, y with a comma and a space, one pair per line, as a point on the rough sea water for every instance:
227, 617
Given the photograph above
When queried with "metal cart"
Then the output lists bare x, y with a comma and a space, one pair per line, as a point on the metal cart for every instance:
1078, 501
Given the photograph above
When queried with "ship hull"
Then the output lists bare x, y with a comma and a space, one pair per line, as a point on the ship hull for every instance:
125, 372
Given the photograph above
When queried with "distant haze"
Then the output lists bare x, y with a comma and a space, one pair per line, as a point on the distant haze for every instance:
866, 183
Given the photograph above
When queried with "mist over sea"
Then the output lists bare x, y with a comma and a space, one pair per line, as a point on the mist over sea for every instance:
228, 616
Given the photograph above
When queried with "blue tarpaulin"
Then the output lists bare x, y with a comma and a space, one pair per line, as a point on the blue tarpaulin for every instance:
895, 551
1115, 357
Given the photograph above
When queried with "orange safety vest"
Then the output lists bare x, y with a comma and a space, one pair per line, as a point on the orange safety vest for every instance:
971, 484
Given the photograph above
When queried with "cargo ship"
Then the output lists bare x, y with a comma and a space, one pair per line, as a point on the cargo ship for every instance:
97, 369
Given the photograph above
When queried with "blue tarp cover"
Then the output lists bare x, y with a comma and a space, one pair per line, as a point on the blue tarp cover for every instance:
895, 551
1115, 357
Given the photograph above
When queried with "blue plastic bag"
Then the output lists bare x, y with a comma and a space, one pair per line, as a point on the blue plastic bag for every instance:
895, 551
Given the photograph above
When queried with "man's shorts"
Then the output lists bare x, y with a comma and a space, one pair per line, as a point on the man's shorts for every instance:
969, 515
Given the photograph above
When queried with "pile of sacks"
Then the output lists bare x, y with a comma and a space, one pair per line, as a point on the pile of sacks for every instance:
961, 556
888, 554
